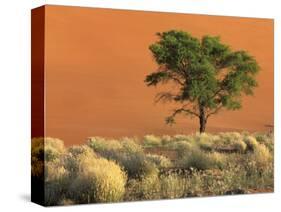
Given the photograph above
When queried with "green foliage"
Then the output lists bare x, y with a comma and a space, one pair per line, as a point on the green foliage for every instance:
207, 73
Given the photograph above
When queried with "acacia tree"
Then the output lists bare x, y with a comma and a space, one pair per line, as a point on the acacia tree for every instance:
207, 74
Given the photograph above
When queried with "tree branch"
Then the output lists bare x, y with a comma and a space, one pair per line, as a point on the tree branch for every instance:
165, 97
177, 111
214, 112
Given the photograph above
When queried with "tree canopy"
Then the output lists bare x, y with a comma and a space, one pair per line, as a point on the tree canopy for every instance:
208, 74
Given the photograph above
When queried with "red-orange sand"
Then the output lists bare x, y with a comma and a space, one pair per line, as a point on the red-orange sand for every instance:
96, 61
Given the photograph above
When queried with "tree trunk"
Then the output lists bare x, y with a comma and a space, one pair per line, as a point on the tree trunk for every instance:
202, 119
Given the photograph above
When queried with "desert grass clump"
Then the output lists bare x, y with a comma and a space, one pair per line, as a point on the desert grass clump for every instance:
127, 153
44, 149
194, 159
149, 186
166, 139
207, 142
228, 138
201, 137
37, 157
48, 167
159, 160
182, 148
55, 173
251, 142
172, 186
206, 145
230, 141
151, 141
74, 155
261, 157
78, 150
266, 139
186, 138
98, 180
53, 148
239, 145
108, 170
56, 182
200, 160
100, 144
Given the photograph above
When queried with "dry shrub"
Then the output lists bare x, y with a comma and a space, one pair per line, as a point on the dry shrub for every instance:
151, 141
251, 143
159, 160
56, 175
37, 157
98, 180
180, 137
172, 186
44, 149
149, 186
127, 153
166, 139
267, 139
182, 148
100, 144
261, 157
75, 154
200, 160
53, 148
239, 145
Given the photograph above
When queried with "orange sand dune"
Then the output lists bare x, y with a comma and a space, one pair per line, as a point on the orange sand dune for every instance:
96, 61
